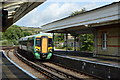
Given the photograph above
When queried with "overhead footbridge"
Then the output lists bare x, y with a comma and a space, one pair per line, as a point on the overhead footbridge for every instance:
12, 11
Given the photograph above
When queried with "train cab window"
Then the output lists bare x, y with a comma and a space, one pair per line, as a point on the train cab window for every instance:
38, 42
50, 42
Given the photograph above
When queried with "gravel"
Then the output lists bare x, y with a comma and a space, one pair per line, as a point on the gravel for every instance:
24, 66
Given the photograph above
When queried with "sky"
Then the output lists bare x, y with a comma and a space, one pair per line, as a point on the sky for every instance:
52, 10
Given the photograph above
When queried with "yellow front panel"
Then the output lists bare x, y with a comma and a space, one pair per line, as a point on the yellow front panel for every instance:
49, 48
44, 45
37, 48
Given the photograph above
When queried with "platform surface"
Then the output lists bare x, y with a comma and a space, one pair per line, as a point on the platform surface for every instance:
89, 58
12, 72
103, 69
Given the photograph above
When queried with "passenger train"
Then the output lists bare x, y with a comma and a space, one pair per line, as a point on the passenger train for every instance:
38, 46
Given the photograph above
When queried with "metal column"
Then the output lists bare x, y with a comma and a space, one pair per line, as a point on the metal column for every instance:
66, 43
74, 43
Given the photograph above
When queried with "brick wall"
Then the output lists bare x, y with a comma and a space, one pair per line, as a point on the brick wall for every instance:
113, 41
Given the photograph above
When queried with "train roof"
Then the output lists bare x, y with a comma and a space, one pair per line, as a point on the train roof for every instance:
36, 35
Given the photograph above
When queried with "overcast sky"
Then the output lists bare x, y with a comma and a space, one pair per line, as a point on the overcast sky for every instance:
52, 10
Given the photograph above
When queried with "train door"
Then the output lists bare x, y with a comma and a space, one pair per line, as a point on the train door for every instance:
44, 45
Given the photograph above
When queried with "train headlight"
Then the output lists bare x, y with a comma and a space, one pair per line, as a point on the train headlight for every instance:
37, 49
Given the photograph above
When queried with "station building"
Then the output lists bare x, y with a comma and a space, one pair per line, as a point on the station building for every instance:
102, 22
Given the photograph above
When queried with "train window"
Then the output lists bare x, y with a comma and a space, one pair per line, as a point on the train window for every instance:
19, 42
25, 43
50, 42
38, 42
30, 43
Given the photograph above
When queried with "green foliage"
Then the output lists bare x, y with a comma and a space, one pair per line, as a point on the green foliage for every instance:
1, 38
85, 39
5, 42
87, 42
32, 30
14, 33
26, 33
59, 37
60, 47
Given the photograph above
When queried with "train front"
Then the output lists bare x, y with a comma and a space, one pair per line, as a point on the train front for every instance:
43, 47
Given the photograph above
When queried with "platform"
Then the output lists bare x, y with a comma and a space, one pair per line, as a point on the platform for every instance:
87, 56
92, 66
11, 71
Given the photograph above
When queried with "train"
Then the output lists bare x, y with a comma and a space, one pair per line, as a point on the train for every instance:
39, 46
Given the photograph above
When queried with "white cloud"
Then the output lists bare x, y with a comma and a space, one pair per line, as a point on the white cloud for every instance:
52, 12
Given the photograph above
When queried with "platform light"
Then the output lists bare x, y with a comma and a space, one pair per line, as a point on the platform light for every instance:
86, 25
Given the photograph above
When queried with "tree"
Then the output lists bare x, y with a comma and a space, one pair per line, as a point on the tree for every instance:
14, 33
1, 38
85, 39
26, 33
59, 37
87, 42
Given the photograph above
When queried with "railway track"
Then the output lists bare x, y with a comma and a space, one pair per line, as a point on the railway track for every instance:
47, 71
55, 73
63, 74
66, 72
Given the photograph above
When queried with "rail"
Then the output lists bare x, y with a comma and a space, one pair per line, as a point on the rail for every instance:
47, 71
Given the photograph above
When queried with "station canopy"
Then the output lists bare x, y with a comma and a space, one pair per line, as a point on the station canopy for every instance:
13, 10
86, 22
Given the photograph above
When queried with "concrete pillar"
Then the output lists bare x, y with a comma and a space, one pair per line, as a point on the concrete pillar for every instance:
75, 43
95, 43
66, 39
79, 43
53, 41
